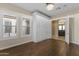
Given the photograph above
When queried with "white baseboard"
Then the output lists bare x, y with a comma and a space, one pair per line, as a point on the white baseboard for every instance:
75, 42
14, 45
36, 41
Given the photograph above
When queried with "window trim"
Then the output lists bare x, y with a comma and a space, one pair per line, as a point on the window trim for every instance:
9, 37
22, 35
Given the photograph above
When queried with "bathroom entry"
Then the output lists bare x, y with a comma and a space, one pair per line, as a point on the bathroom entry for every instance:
58, 29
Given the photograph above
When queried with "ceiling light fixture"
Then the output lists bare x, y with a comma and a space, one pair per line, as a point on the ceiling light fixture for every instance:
50, 6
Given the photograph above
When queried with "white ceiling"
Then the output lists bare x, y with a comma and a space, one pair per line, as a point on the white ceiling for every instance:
61, 9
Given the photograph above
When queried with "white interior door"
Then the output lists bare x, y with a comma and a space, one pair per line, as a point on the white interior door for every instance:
71, 29
67, 30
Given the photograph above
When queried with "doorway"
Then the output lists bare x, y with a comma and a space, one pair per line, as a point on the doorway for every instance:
58, 29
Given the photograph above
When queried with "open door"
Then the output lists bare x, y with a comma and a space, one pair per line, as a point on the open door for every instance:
67, 30
71, 29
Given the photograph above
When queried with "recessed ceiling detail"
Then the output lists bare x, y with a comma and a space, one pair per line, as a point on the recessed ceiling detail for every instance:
60, 9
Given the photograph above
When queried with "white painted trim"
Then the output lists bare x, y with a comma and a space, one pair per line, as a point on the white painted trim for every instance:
74, 42
35, 41
15, 45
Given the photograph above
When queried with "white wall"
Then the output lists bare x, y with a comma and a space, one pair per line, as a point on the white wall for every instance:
16, 40
40, 24
41, 27
8, 7
76, 29
75, 34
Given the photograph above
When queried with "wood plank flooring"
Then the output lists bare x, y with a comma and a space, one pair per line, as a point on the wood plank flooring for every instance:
49, 47
29, 49
73, 49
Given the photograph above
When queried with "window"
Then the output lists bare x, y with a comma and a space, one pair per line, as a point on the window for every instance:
25, 26
9, 26
61, 27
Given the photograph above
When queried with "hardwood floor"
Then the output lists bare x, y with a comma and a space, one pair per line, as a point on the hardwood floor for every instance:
73, 49
50, 47
59, 48
29, 49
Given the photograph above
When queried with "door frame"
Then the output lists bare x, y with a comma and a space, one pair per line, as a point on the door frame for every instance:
67, 18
